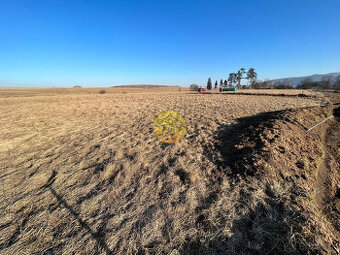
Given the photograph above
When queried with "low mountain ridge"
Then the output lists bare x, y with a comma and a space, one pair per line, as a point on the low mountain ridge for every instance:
144, 86
314, 77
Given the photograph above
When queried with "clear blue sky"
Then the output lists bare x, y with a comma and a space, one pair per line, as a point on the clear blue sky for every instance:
69, 42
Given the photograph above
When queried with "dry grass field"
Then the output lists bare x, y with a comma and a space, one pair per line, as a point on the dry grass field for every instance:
83, 173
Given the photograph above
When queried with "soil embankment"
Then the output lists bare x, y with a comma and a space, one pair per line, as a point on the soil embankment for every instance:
301, 169
328, 179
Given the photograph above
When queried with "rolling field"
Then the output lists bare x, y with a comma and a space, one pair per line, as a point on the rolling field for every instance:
83, 173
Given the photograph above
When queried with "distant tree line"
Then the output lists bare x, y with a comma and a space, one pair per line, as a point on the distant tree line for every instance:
234, 79
327, 82
266, 84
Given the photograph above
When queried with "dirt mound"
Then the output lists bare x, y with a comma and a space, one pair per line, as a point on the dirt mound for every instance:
275, 147
242, 144
328, 181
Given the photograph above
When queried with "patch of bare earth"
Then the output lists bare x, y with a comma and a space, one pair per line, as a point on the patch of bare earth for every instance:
84, 174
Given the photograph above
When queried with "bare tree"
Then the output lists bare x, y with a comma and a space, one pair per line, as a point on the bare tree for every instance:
337, 83
308, 84
326, 82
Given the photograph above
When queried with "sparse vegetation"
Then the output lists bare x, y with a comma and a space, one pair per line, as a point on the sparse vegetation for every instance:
82, 173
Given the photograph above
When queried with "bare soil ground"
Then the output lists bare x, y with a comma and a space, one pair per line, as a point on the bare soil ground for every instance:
83, 173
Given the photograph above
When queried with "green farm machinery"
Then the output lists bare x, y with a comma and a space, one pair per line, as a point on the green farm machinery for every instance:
227, 89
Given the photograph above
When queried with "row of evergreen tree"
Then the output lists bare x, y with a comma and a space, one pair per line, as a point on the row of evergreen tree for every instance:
234, 79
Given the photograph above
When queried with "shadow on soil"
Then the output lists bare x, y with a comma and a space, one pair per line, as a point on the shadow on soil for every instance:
238, 144
270, 228
336, 113
98, 236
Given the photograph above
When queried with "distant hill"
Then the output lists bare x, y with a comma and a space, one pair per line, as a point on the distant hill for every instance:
296, 80
144, 86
